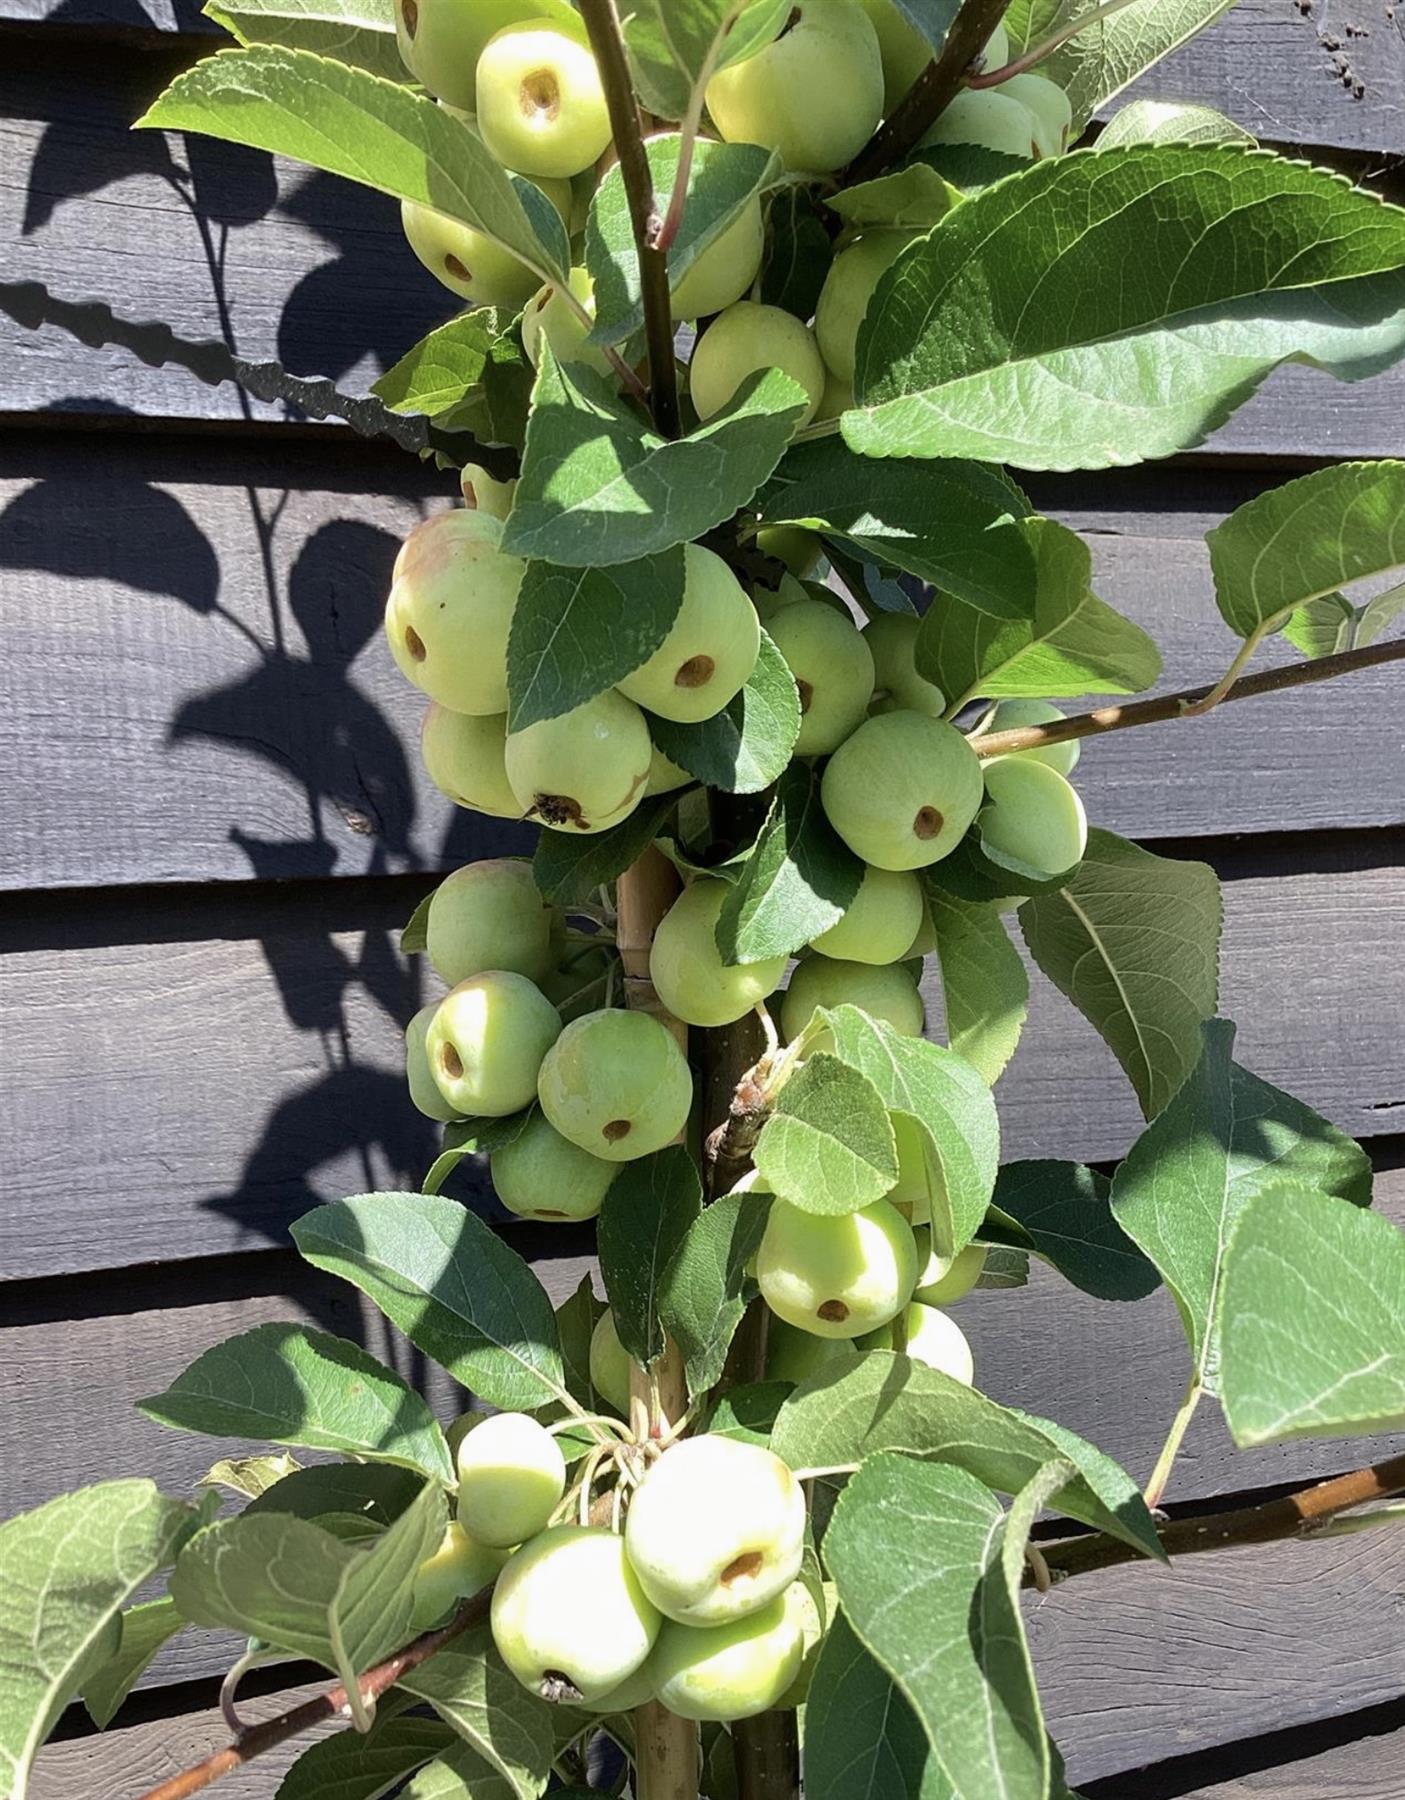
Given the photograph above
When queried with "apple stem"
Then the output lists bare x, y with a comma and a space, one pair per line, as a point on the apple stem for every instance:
666, 231
1161, 1474
1029, 59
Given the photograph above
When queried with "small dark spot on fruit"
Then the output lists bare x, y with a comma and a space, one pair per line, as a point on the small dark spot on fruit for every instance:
615, 1130
743, 1567
410, 13
456, 268
450, 1062
559, 810
833, 1312
414, 643
927, 824
695, 673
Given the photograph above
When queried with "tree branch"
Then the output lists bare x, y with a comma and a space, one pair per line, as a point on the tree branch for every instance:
929, 94
1181, 705
602, 23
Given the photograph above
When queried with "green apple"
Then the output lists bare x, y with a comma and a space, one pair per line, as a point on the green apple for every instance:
584, 770
997, 49
459, 1567
724, 269
912, 1192
987, 117
424, 1091
794, 1355
548, 314
746, 337
731, 1671
441, 40
483, 492
847, 290
570, 1618
1032, 822
881, 923
541, 1175
942, 1279
489, 915
1049, 106
888, 993
836, 1276
617, 1084
838, 397
904, 51
511, 1479
664, 776
802, 1606
715, 1530
814, 94
635, 1690
609, 1364
464, 755
710, 650
903, 790
486, 1042
452, 594
833, 669
933, 1338
540, 101
897, 687
1012, 715
800, 550
686, 966
469, 264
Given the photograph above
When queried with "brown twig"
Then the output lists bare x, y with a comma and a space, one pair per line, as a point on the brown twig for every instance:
1181, 705
602, 24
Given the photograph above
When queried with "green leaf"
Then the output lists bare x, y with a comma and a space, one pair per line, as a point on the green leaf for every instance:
1133, 940
984, 983
1062, 1212
862, 1739
928, 1568
350, 1766
145, 1629
705, 1287
748, 1413
471, 375
359, 32
249, 1476
576, 1318
828, 1146
722, 179
473, 1137
569, 866
1312, 1324
288, 1384
376, 132
598, 487
800, 879
746, 746
70, 1567
1004, 1267
414, 938
1225, 1137
951, 1112
1301, 542
1170, 122
911, 197
857, 1406
451, 1285
999, 336
676, 46
1324, 627
649, 1208
798, 252
462, 1774
576, 632
1061, 639
470, 1688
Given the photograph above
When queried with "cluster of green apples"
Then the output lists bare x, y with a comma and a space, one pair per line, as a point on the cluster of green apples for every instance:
696, 1602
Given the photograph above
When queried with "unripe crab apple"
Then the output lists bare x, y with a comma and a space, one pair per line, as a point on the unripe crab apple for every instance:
912, 1192
833, 671
664, 776
892, 638
836, 1277
987, 117
715, 1530
847, 290
724, 269
888, 993
486, 1042
541, 1175
541, 105
468, 263
609, 1364
511, 1479
902, 790
424, 1091
1012, 715
1032, 822
464, 755
882, 920
815, 93
570, 1618
933, 1338
800, 550
1049, 107
617, 1084
794, 1355
709, 651
459, 1567
803, 1608
942, 1279
997, 49
635, 1690
484, 493
450, 609
748, 337
489, 915
904, 51
686, 966
441, 40
548, 314
584, 770
731, 1671
838, 397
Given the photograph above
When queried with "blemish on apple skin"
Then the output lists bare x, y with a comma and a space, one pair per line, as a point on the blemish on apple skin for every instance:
833, 1312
